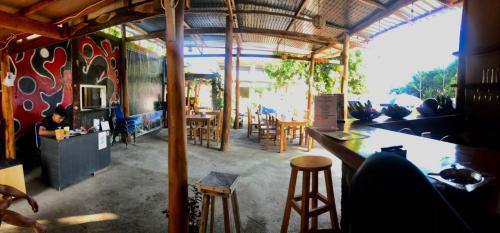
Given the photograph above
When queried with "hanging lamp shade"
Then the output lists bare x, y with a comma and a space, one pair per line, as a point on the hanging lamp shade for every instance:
318, 21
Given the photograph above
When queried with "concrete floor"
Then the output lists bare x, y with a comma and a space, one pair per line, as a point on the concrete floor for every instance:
130, 195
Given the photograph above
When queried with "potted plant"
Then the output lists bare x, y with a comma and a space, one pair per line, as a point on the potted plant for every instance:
194, 210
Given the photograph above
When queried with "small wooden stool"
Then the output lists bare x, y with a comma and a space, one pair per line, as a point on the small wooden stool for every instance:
310, 165
224, 186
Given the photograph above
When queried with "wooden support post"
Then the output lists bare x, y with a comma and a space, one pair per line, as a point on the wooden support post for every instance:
188, 83
345, 72
309, 91
228, 83
197, 87
345, 64
123, 65
177, 161
7, 109
237, 115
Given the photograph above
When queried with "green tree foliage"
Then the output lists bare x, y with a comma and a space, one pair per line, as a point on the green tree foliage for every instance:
217, 93
429, 84
114, 31
357, 77
326, 76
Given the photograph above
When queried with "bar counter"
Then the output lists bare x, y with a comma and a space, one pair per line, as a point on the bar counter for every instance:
480, 208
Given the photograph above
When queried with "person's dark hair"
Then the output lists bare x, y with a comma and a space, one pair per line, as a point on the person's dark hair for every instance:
60, 111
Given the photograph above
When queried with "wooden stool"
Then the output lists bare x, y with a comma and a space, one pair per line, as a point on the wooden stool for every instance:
310, 165
222, 185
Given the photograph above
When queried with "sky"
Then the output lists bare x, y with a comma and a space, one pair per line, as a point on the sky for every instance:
397, 55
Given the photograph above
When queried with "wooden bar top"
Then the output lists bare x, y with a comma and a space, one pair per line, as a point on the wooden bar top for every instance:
427, 154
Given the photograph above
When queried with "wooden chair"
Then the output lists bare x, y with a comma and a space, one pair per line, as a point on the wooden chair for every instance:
196, 132
310, 166
267, 130
251, 124
188, 110
292, 132
215, 129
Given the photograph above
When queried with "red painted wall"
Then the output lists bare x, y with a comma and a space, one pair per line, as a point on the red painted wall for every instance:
99, 58
43, 81
44, 78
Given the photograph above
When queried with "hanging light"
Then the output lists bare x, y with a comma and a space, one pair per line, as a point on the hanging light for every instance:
412, 10
318, 20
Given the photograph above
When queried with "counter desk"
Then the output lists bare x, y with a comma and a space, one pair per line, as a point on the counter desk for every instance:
480, 208
73, 159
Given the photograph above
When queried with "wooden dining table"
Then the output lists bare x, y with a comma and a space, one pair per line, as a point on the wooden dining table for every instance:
285, 123
207, 120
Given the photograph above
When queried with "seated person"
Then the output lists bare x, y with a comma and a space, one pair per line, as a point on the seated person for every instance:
53, 122
9, 195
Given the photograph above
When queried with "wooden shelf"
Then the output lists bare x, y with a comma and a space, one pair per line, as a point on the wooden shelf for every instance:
479, 85
479, 51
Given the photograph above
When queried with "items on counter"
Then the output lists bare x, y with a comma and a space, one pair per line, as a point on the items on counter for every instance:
363, 112
396, 112
461, 177
441, 105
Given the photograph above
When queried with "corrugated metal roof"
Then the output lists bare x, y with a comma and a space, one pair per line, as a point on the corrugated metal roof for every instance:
288, 5
263, 21
340, 15
206, 20
276, 15
412, 12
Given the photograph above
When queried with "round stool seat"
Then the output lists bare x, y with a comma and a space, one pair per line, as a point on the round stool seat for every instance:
310, 163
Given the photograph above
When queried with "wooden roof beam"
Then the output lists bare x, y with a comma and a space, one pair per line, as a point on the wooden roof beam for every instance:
26, 25
32, 44
328, 24
332, 44
44, 3
402, 16
122, 15
302, 6
230, 9
275, 33
33, 8
378, 15
285, 57
281, 34
140, 30
82, 13
337, 46
373, 3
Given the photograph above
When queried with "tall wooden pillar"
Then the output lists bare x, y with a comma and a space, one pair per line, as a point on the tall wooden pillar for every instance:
7, 109
345, 72
345, 63
123, 65
309, 90
237, 116
177, 161
228, 83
